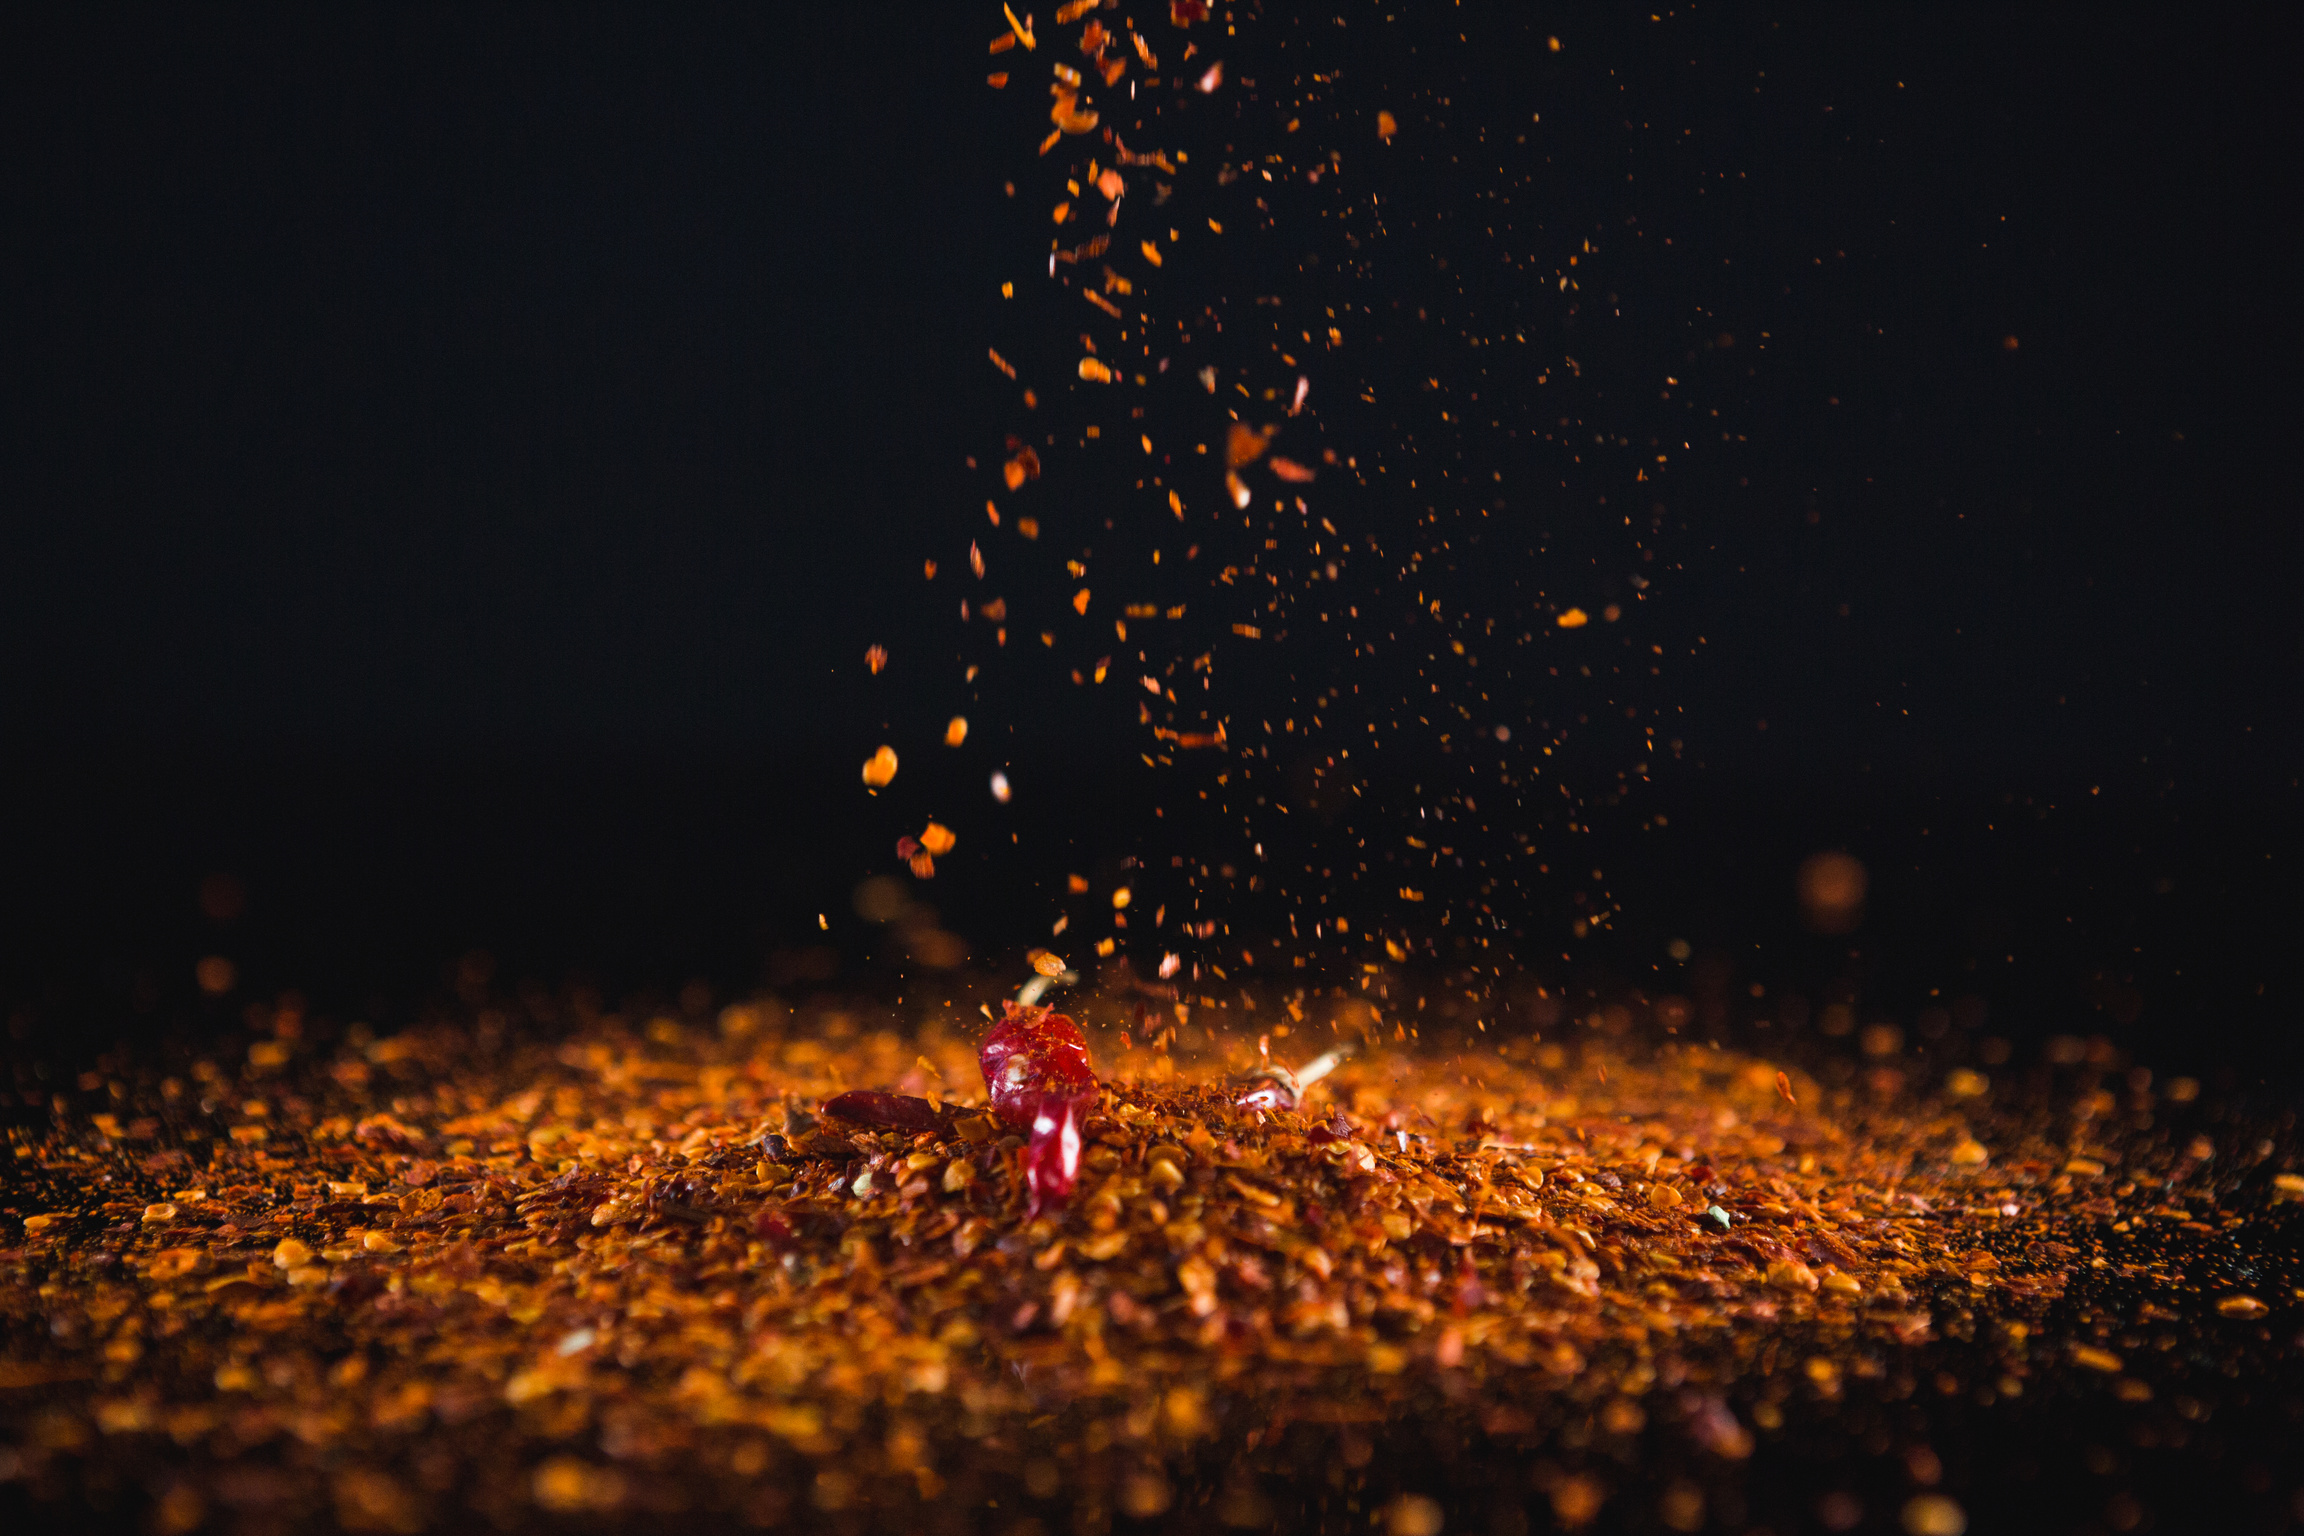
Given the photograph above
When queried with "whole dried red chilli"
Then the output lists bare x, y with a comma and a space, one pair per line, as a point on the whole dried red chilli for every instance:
1036, 1068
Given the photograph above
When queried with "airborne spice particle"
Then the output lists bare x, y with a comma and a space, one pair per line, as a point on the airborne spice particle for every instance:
1347, 547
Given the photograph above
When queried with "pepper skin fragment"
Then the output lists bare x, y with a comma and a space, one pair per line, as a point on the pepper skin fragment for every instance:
1036, 1069
888, 1111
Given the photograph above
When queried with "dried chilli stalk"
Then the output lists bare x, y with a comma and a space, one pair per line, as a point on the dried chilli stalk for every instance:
1275, 1087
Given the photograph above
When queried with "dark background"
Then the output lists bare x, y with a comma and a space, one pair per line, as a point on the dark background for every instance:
451, 464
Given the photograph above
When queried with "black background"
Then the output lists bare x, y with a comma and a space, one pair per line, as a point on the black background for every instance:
453, 461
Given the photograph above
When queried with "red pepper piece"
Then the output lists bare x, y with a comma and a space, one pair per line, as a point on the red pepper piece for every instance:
1036, 1068
887, 1111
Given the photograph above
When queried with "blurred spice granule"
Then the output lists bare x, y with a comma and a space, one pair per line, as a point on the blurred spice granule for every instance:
467, 1273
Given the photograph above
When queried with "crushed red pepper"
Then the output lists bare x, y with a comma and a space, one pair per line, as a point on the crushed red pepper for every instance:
632, 1272
1036, 1072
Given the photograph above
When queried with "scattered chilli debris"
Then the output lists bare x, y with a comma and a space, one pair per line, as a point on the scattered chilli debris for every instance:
639, 1272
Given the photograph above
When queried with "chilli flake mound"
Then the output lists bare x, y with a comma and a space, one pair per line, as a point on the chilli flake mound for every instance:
650, 1275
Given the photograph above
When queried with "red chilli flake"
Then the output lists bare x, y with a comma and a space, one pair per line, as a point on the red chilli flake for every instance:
888, 1111
1036, 1068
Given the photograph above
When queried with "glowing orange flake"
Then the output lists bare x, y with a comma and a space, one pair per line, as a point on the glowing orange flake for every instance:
1110, 184
957, 731
929, 568
1290, 470
975, 559
1185, 12
880, 768
1073, 10
1002, 363
1386, 126
1243, 444
1068, 115
1046, 962
998, 80
1077, 884
1238, 489
1151, 252
875, 658
1176, 505
1023, 32
1094, 371
1080, 602
938, 838
1573, 618
923, 865
1214, 78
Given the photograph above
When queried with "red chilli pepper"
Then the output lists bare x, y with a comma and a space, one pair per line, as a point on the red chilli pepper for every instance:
1036, 1067
889, 1111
